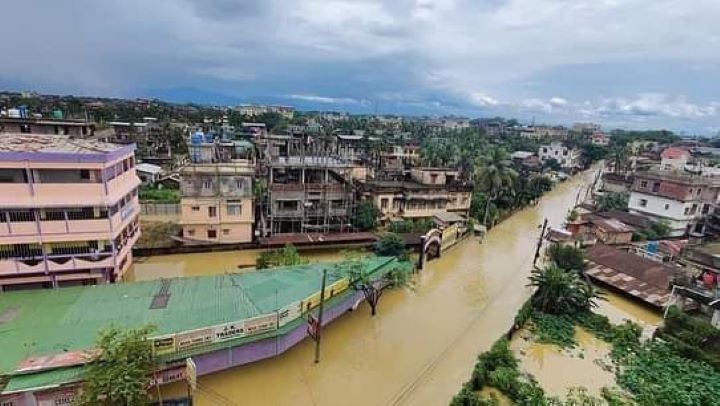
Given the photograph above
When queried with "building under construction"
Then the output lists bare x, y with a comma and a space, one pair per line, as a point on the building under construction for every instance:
309, 190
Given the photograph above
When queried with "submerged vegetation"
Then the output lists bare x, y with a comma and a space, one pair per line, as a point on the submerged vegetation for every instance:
679, 369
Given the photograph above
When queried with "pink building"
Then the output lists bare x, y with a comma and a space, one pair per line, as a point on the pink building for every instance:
68, 211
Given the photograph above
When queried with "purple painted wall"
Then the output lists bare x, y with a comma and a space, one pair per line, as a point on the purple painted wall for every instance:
231, 357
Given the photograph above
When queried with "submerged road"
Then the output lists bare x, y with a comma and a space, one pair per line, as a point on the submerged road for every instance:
424, 341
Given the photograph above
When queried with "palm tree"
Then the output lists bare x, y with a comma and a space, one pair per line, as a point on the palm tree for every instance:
561, 292
494, 172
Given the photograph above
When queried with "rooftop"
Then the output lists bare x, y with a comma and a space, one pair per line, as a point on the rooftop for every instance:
66, 324
610, 224
639, 277
674, 153
149, 168
45, 143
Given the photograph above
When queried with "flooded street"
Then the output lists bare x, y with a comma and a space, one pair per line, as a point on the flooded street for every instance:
420, 347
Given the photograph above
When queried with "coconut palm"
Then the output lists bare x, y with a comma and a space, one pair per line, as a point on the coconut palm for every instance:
494, 172
561, 292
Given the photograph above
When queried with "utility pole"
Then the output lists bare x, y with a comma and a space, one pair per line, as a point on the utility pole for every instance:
539, 244
320, 317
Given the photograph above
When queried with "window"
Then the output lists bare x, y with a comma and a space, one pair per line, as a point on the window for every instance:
706, 209
687, 211
288, 205
234, 208
643, 184
84, 174
53, 215
21, 215
656, 187
207, 184
190, 232
195, 208
212, 211
212, 233
667, 206
226, 231
694, 208
384, 203
643, 202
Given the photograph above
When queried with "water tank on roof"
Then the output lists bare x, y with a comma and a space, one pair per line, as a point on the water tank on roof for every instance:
23, 111
209, 137
14, 113
197, 138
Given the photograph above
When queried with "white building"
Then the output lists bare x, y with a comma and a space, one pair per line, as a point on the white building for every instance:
677, 198
149, 174
600, 138
568, 158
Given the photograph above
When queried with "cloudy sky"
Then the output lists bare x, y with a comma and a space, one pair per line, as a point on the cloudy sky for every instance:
630, 63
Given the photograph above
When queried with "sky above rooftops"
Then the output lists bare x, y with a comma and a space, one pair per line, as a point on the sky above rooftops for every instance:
627, 63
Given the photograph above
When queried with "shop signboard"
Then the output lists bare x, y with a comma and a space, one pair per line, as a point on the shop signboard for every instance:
229, 331
57, 397
261, 324
163, 344
194, 338
169, 375
289, 313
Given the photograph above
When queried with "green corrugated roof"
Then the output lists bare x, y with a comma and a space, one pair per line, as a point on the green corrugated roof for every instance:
52, 321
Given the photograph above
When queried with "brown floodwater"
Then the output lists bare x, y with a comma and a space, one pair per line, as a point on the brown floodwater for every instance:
558, 370
422, 344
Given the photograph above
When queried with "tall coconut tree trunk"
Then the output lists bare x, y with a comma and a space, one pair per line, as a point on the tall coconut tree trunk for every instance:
487, 209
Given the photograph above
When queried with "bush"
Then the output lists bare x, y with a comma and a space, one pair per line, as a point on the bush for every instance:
366, 215
466, 397
657, 375
286, 256
566, 257
389, 244
552, 329
155, 195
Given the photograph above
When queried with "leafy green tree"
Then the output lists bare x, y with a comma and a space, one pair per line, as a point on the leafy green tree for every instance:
366, 215
371, 286
566, 257
553, 165
612, 201
561, 292
390, 244
287, 256
493, 173
120, 373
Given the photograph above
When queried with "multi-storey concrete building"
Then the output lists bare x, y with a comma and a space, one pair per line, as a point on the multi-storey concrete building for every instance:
310, 194
681, 199
568, 158
68, 213
429, 191
217, 203
27, 125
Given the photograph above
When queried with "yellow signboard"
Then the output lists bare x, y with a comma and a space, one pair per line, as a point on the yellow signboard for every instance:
163, 344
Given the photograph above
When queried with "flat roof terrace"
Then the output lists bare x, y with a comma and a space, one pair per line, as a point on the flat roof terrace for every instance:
47, 147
